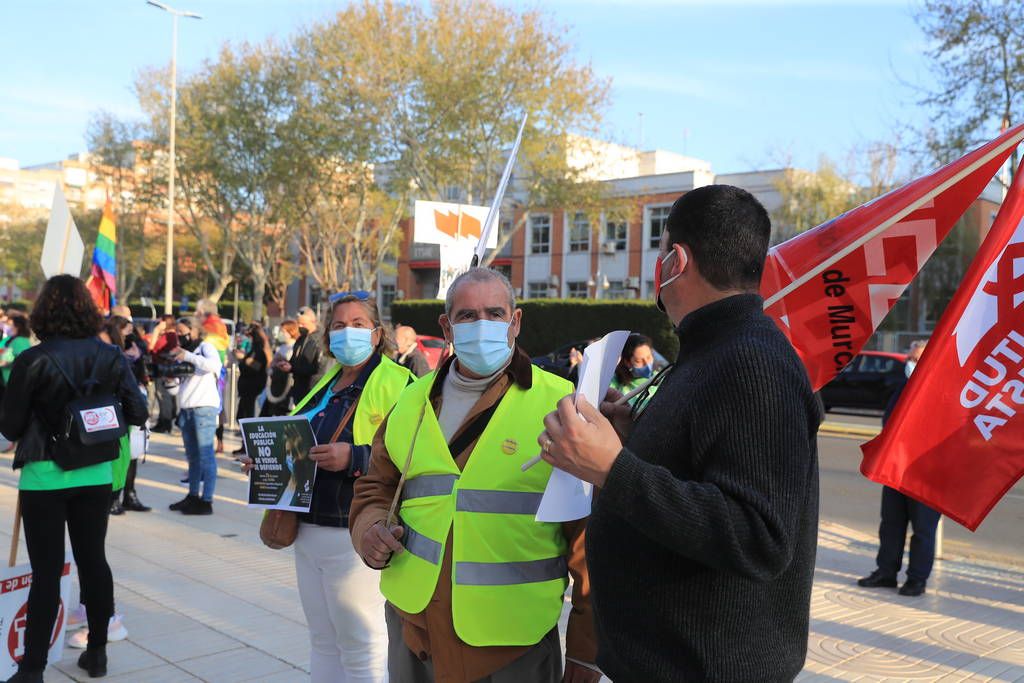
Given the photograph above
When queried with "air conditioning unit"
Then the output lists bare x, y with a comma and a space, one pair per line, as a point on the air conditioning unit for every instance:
633, 283
554, 280
553, 292
399, 293
608, 248
518, 291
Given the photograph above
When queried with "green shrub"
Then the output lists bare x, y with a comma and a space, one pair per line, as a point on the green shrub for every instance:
551, 323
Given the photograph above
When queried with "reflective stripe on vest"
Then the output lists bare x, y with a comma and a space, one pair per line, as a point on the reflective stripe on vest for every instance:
509, 571
429, 485
498, 502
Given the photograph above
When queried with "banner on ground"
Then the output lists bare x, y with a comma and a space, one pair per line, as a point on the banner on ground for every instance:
829, 288
954, 439
282, 474
14, 586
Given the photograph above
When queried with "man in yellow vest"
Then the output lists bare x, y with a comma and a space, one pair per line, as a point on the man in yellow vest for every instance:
474, 585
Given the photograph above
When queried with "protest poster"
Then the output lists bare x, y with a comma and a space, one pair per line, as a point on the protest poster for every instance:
282, 474
14, 587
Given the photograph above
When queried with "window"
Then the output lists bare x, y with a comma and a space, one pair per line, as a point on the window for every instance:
579, 233
657, 218
577, 290
616, 290
387, 295
540, 234
537, 290
650, 288
615, 232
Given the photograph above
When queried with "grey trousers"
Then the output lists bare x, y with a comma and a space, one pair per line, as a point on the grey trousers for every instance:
540, 664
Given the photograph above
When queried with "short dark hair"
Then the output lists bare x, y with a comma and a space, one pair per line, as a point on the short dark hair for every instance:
624, 370
727, 230
65, 309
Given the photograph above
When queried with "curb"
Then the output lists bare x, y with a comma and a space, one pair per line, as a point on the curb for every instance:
845, 429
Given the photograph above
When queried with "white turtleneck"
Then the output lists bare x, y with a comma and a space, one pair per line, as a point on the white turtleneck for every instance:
458, 396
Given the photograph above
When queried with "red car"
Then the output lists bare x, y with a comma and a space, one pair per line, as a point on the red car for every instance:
434, 349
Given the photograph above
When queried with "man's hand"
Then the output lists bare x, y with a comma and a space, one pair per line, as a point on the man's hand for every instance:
284, 366
245, 462
577, 673
333, 457
620, 415
585, 448
379, 543
177, 353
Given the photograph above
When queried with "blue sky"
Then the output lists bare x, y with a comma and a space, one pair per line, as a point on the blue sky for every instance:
742, 83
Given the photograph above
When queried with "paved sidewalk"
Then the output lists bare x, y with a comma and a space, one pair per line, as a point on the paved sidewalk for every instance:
205, 601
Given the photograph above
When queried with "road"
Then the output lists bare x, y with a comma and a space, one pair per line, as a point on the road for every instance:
850, 499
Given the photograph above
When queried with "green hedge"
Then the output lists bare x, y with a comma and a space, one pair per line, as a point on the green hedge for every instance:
550, 323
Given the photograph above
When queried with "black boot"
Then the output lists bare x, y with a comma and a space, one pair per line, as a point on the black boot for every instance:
94, 661
115, 504
183, 503
197, 506
162, 427
26, 677
132, 502
131, 499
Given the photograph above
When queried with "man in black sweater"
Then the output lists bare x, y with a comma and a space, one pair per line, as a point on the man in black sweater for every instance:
701, 544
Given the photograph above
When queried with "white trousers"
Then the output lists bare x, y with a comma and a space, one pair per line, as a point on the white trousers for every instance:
344, 608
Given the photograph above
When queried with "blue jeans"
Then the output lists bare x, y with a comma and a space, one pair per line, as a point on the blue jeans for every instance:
198, 427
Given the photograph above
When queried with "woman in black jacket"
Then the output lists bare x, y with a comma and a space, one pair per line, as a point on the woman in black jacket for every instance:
53, 496
252, 373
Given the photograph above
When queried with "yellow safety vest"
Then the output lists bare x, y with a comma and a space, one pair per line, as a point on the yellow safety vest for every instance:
381, 392
509, 572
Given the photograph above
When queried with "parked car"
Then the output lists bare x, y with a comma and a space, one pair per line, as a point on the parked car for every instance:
557, 361
867, 382
434, 349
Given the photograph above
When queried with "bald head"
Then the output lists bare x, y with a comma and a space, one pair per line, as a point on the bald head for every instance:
405, 337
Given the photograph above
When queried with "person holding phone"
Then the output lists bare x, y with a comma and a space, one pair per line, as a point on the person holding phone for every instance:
165, 339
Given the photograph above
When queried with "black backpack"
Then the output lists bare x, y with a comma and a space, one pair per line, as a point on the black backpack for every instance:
90, 423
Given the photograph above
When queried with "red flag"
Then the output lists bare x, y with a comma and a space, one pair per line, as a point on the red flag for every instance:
955, 440
100, 292
829, 288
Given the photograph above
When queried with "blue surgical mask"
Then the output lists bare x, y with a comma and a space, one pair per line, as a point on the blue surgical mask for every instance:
352, 345
482, 346
644, 371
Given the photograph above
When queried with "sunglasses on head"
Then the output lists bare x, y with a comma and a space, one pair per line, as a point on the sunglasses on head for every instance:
358, 295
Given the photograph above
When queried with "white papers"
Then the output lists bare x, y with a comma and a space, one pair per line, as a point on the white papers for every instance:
567, 498
63, 249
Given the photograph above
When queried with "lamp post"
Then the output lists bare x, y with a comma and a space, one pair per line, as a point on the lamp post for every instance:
169, 265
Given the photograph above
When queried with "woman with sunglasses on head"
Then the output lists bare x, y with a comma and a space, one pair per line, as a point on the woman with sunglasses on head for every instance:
340, 595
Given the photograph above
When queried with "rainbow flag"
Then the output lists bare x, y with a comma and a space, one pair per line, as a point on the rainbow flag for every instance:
102, 282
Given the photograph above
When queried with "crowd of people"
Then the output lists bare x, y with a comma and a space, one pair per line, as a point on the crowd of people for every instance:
420, 558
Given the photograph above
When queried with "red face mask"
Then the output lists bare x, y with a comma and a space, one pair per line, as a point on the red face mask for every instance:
658, 284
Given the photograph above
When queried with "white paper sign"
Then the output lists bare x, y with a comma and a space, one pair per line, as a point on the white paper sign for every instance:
14, 586
567, 498
63, 249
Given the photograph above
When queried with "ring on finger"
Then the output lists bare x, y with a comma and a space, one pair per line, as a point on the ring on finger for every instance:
548, 443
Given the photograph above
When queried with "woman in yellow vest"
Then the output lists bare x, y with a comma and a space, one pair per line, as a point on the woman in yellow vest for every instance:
340, 596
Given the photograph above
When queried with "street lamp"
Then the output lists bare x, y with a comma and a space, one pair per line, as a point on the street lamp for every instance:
169, 266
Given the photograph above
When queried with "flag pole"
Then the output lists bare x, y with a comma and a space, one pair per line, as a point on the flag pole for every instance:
492, 213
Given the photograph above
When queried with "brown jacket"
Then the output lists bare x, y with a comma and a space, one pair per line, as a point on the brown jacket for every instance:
431, 633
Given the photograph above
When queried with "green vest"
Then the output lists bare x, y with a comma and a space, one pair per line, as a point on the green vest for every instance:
386, 382
509, 572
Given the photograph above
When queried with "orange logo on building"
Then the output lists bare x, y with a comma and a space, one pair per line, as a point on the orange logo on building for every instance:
448, 224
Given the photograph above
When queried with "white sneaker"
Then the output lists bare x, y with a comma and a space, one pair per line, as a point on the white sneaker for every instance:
115, 631
76, 618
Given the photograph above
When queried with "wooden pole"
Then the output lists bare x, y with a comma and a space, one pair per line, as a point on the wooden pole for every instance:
15, 533
405, 470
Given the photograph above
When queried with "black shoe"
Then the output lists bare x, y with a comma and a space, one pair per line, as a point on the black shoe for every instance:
183, 503
877, 579
26, 677
94, 660
116, 508
132, 503
161, 428
913, 587
197, 506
